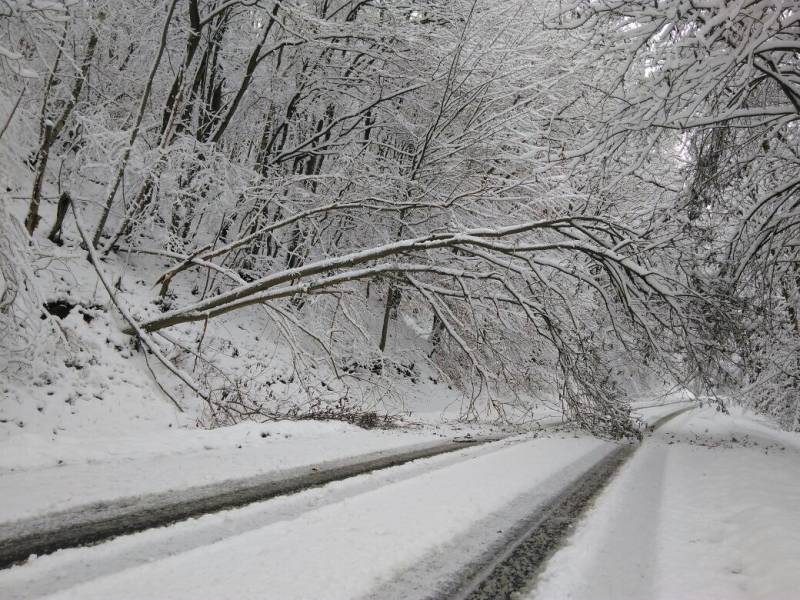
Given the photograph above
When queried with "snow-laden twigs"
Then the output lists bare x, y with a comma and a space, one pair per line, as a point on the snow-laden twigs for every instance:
143, 337
28, 333
485, 238
134, 133
397, 178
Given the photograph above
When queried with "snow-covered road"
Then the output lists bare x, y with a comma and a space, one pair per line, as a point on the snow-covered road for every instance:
707, 509
60, 473
341, 541
99, 521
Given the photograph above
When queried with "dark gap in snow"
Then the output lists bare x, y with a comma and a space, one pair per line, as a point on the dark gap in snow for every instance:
58, 308
88, 312
378, 366
62, 309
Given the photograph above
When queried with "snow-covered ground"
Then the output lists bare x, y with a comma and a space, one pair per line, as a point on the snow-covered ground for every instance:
340, 541
41, 474
707, 509
180, 459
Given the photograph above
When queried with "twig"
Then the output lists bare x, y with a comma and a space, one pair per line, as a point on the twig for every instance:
200, 343
13, 111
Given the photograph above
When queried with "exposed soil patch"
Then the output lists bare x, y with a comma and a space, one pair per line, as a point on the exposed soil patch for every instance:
59, 308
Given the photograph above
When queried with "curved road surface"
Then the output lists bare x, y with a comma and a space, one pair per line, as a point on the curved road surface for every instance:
529, 491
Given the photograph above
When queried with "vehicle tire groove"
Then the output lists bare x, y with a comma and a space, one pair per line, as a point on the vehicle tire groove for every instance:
101, 521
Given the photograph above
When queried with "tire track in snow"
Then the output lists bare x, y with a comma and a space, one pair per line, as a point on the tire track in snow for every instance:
102, 521
504, 574
50, 574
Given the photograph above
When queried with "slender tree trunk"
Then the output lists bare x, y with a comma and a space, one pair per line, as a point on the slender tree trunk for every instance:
391, 298
63, 205
112, 190
51, 133
437, 328
33, 218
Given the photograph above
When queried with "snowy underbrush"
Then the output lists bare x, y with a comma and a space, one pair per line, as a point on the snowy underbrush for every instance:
774, 387
64, 362
70, 367
67, 367
261, 363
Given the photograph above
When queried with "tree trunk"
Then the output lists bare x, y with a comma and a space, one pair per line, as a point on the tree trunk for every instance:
33, 218
63, 205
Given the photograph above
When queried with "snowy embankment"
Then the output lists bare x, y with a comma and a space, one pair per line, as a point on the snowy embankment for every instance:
705, 510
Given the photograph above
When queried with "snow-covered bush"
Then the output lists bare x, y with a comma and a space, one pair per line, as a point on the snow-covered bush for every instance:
28, 335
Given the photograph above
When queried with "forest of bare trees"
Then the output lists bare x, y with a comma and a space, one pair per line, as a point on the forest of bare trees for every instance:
565, 196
